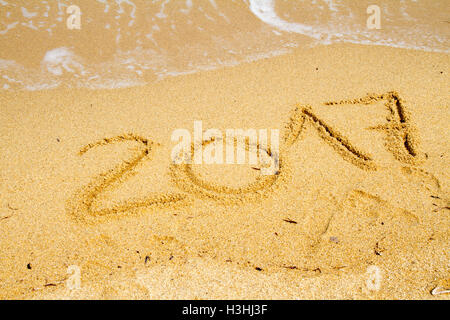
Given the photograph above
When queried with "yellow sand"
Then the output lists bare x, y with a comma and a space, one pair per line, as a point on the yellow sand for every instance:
363, 187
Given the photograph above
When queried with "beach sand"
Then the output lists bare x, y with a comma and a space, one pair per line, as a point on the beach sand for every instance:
358, 210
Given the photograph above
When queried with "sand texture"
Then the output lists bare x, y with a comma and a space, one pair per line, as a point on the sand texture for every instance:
359, 208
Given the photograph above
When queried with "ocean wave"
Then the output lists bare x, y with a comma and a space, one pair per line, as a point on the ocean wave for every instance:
125, 43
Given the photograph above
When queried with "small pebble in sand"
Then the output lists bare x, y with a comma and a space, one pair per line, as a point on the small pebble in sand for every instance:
334, 239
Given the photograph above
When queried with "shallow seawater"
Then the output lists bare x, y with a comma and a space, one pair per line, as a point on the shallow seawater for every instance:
126, 43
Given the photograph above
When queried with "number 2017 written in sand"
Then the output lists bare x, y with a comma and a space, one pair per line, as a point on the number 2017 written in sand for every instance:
399, 140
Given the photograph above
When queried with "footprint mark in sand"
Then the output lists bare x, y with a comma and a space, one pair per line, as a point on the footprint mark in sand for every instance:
377, 208
429, 181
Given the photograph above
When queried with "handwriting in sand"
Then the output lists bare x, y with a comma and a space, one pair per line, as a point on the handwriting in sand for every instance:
400, 140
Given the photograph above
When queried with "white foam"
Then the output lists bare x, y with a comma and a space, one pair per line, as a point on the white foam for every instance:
29, 24
60, 59
130, 68
213, 3
28, 14
265, 10
106, 5
9, 27
42, 86
338, 30
9, 79
188, 7
6, 63
133, 10
161, 13
331, 5
113, 84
